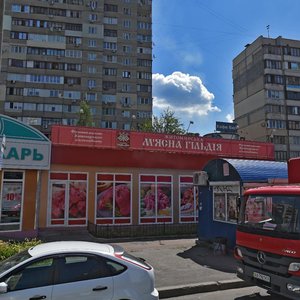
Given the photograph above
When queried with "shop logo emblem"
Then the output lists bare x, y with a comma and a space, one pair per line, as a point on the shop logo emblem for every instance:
261, 257
123, 139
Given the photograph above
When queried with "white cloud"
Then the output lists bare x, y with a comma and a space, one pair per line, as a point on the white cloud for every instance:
230, 118
183, 94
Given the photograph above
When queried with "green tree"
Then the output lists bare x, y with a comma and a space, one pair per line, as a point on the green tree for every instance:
167, 122
85, 117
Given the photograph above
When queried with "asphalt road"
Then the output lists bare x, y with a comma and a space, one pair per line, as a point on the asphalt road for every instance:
250, 293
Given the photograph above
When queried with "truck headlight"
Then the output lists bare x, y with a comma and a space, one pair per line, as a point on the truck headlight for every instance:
294, 267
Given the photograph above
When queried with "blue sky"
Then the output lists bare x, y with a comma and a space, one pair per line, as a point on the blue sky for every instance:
194, 43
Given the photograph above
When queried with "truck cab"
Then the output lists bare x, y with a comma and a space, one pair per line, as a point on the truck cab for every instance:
268, 239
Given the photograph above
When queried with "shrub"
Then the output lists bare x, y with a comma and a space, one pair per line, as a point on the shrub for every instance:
10, 248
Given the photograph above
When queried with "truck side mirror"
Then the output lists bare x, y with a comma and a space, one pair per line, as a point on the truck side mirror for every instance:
3, 287
238, 204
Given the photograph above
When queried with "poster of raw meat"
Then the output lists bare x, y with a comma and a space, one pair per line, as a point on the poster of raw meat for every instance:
77, 199
187, 201
219, 207
105, 200
58, 200
113, 200
147, 200
11, 201
231, 207
122, 200
164, 196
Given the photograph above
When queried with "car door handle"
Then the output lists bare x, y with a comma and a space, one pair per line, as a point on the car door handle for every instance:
38, 297
100, 288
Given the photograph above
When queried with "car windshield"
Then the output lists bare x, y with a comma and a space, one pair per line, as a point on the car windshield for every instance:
272, 212
13, 261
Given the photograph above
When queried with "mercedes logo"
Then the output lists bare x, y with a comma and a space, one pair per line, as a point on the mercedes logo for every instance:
261, 257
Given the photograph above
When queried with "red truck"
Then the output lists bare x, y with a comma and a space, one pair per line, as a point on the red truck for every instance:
268, 236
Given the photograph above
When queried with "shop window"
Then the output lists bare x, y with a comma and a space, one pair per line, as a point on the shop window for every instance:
188, 196
156, 199
68, 198
225, 202
113, 199
11, 200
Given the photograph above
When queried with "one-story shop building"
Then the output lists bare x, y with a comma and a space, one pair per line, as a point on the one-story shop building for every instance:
115, 183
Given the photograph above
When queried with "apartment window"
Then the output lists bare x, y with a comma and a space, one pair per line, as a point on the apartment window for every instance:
143, 25
142, 100
273, 64
126, 87
126, 35
144, 88
91, 83
144, 75
293, 95
143, 115
111, 21
276, 124
126, 49
279, 140
126, 113
280, 155
15, 106
92, 30
273, 94
126, 101
110, 32
127, 11
29, 106
127, 61
18, 35
20, 8
292, 51
92, 43
110, 45
107, 85
294, 125
109, 111
293, 110
91, 96
294, 65
14, 91
144, 62
275, 109
275, 79
110, 71
110, 58
93, 17
294, 154
126, 74
268, 49
110, 7
126, 126
109, 124
126, 24
92, 69
144, 38
295, 140
108, 98
92, 56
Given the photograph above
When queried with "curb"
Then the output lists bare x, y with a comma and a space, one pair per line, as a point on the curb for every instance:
212, 286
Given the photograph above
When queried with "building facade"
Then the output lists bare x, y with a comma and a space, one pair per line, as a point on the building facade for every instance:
57, 53
266, 84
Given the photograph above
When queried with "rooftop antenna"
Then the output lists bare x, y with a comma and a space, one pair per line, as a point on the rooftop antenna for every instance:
268, 29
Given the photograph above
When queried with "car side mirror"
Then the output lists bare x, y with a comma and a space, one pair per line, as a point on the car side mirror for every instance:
3, 287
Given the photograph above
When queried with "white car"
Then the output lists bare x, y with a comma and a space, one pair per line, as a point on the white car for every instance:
76, 270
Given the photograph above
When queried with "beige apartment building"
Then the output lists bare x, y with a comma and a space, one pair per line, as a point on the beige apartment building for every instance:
57, 53
266, 86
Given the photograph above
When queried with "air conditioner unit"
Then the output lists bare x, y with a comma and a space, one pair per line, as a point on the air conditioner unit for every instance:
200, 178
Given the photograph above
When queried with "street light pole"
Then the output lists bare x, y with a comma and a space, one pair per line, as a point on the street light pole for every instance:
191, 122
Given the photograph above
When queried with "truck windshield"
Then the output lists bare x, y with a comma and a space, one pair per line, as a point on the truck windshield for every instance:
272, 212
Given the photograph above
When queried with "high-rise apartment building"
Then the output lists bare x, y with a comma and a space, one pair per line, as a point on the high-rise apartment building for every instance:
266, 83
57, 53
